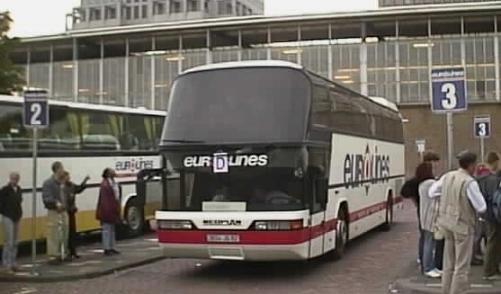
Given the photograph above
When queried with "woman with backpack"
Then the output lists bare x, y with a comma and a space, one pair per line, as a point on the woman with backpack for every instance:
488, 182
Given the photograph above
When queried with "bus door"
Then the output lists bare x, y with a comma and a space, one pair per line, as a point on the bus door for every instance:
318, 191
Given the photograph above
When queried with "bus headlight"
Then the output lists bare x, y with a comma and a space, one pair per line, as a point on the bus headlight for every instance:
278, 225
175, 225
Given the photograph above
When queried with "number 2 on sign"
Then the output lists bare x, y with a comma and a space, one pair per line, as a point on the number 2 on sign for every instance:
450, 100
36, 111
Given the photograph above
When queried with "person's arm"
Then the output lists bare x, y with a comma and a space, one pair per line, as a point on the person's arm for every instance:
475, 196
48, 196
436, 188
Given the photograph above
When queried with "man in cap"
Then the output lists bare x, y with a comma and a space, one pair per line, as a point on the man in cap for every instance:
460, 200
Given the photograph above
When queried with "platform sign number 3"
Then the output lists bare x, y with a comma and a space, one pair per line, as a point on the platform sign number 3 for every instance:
448, 90
482, 126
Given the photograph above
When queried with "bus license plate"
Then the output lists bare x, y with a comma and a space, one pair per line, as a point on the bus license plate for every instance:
223, 238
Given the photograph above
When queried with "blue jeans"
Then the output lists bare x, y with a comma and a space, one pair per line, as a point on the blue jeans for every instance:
108, 236
428, 251
10, 242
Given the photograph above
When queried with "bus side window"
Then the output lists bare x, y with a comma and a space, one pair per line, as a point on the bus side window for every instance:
13, 136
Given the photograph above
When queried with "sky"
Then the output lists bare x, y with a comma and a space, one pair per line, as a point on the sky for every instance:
43, 17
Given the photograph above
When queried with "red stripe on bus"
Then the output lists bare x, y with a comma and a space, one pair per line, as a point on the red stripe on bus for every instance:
264, 237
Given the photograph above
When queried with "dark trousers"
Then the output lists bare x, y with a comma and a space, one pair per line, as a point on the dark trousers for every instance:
439, 254
72, 234
493, 249
420, 241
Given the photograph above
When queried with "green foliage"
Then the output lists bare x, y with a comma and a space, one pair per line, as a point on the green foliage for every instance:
10, 75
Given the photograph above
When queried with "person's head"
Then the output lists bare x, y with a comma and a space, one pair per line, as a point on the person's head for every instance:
433, 158
57, 169
14, 178
467, 161
492, 160
65, 177
108, 173
424, 171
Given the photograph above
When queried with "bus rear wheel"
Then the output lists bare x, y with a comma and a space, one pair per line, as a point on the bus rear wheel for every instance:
134, 218
341, 235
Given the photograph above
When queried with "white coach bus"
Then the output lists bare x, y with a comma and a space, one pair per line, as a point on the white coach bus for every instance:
86, 139
275, 163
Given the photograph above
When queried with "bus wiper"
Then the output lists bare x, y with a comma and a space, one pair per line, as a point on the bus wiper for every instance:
183, 141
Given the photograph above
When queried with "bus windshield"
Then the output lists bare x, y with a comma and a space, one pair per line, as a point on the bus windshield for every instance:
262, 189
238, 106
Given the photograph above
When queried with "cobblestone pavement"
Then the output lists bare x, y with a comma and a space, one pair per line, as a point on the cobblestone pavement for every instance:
371, 263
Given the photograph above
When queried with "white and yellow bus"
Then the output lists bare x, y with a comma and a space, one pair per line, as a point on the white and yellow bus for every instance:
86, 139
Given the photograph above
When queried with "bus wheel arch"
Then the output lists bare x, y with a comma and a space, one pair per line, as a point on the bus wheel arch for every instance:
134, 217
388, 211
342, 230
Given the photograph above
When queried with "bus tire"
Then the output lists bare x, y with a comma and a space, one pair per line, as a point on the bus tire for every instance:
134, 218
389, 215
342, 233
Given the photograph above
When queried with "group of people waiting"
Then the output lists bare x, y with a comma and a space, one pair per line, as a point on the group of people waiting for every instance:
59, 198
455, 213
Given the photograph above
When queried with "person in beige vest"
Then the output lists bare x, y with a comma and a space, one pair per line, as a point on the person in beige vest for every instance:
460, 199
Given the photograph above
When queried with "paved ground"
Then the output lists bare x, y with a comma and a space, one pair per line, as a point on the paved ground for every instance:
370, 264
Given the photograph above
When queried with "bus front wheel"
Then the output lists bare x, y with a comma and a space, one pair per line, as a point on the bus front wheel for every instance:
134, 218
341, 234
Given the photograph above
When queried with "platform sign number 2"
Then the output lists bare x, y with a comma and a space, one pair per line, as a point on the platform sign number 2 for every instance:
36, 109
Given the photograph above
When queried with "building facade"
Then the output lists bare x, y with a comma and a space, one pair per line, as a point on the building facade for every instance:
390, 3
109, 13
385, 53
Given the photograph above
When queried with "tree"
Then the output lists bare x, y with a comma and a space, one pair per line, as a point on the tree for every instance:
10, 75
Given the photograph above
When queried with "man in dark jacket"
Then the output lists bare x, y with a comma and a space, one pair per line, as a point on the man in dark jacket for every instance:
11, 211
488, 182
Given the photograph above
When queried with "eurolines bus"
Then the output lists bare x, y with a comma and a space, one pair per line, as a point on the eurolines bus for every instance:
86, 139
275, 163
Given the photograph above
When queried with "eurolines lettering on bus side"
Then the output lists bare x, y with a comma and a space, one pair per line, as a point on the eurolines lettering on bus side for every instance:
221, 162
133, 164
367, 168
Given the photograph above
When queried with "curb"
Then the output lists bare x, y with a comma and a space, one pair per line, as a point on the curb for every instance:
409, 286
88, 275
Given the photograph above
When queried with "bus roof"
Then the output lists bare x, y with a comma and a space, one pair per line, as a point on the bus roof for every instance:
240, 64
87, 106
385, 102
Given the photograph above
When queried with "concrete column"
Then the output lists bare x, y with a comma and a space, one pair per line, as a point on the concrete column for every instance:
397, 62
208, 44
180, 53
463, 46
239, 45
152, 76
51, 70
496, 58
75, 69
101, 72
28, 66
430, 60
234, 7
119, 8
184, 8
329, 55
298, 54
126, 73
268, 49
363, 62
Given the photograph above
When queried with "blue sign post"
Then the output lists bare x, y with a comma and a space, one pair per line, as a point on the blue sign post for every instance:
448, 95
35, 115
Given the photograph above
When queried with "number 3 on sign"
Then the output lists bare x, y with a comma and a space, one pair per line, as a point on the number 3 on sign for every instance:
450, 100
482, 129
36, 111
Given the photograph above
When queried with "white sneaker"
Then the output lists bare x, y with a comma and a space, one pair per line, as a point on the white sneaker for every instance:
438, 271
433, 274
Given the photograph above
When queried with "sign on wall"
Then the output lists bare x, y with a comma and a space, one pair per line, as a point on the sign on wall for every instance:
448, 90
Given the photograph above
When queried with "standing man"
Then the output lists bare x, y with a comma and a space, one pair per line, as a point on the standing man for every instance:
57, 217
11, 211
460, 200
489, 183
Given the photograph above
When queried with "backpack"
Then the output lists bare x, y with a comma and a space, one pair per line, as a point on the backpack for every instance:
496, 206
410, 189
